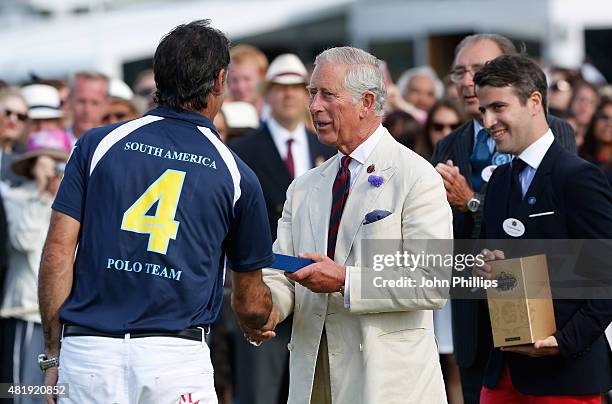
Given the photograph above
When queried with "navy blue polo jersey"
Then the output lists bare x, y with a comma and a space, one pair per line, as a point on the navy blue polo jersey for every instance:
162, 203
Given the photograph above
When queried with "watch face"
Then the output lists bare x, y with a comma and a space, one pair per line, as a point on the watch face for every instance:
473, 205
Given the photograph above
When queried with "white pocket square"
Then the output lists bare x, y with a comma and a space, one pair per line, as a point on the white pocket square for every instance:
552, 212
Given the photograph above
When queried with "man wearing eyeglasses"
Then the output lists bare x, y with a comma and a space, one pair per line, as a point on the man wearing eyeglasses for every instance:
466, 159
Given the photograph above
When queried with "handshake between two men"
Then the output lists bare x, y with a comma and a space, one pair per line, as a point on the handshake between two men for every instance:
252, 300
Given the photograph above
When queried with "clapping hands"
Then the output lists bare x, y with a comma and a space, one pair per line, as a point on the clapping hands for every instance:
458, 190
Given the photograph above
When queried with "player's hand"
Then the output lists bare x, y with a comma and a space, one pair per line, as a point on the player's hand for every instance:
322, 276
485, 269
257, 337
458, 191
543, 347
51, 376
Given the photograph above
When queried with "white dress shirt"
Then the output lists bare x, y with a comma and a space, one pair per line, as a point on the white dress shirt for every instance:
360, 155
358, 158
533, 156
299, 147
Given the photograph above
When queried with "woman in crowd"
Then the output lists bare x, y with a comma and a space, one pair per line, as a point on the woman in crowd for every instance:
15, 112
123, 105
597, 146
28, 211
120, 110
582, 108
560, 90
444, 117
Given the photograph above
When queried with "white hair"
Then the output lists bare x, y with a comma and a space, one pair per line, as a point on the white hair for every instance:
404, 79
364, 73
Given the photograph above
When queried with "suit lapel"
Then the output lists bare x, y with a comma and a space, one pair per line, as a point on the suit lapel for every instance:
363, 195
319, 202
271, 160
497, 198
463, 150
540, 180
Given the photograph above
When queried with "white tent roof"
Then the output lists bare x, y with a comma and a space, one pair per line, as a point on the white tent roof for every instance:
105, 40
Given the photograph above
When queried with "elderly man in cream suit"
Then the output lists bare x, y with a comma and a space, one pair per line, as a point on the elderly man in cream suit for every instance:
347, 348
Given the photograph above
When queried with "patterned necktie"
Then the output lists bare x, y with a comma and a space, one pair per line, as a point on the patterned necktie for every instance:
289, 160
340, 192
480, 158
516, 190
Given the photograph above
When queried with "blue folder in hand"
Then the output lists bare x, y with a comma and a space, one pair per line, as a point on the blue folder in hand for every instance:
289, 263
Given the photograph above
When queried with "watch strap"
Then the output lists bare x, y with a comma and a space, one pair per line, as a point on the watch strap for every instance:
45, 363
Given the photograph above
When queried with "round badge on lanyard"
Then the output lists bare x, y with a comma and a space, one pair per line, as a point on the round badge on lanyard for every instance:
500, 158
487, 172
513, 227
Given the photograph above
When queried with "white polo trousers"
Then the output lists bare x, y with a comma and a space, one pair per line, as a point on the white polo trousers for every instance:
151, 370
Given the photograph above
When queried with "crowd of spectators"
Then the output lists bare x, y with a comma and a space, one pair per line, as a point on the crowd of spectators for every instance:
41, 121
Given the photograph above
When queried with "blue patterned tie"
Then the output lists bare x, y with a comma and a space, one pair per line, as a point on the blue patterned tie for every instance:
480, 158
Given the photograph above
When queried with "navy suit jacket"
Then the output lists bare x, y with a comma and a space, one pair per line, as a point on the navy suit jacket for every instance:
581, 198
259, 152
467, 332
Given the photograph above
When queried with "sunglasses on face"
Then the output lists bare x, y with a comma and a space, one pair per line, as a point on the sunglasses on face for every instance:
145, 92
439, 127
560, 85
119, 116
604, 117
9, 113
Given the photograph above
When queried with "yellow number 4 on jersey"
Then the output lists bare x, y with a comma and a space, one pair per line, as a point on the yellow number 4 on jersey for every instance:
162, 227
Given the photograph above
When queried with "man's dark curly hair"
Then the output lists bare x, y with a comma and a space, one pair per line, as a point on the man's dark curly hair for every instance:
187, 63
519, 72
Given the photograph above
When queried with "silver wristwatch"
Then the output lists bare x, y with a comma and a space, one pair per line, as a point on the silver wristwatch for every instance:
45, 363
473, 204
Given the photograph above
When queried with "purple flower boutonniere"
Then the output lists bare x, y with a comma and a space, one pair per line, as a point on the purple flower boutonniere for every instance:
376, 180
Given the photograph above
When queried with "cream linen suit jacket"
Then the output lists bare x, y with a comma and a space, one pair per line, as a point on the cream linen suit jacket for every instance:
381, 351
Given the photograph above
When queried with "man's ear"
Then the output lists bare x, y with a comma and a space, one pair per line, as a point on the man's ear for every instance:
368, 102
219, 83
535, 102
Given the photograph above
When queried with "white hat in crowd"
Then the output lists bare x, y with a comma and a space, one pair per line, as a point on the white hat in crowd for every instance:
287, 69
119, 89
240, 114
43, 100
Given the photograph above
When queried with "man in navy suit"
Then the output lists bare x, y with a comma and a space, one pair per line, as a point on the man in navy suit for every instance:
280, 150
544, 193
462, 158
